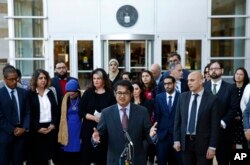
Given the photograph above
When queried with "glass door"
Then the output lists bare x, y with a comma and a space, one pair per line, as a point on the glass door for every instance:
190, 49
78, 55
134, 54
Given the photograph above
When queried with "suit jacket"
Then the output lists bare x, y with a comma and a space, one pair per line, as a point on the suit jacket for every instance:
246, 116
110, 129
35, 110
207, 126
163, 116
229, 102
8, 115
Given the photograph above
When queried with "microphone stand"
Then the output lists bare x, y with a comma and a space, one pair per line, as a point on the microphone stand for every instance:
126, 154
128, 149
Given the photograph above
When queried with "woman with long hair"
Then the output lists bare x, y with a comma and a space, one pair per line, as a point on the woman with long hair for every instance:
241, 79
97, 97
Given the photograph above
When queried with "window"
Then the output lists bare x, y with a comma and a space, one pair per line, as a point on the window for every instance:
28, 35
228, 26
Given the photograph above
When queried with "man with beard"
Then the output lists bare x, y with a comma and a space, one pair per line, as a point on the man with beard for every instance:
227, 96
165, 105
60, 80
59, 83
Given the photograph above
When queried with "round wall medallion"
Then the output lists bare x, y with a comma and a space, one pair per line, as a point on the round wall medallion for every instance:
127, 16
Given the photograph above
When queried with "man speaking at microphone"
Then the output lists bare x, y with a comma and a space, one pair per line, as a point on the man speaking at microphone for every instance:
122, 123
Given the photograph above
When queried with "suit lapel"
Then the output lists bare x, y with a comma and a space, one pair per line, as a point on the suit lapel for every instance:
19, 95
222, 89
131, 120
186, 107
202, 105
117, 119
164, 102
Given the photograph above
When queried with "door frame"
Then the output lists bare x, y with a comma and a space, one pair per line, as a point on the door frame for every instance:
127, 38
181, 46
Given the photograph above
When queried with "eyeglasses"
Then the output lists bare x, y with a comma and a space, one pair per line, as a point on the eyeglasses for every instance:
61, 68
122, 93
169, 83
172, 61
214, 68
12, 79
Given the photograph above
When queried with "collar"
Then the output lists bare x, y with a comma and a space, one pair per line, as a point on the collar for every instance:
172, 94
199, 93
127, 107
9, 89
218, 82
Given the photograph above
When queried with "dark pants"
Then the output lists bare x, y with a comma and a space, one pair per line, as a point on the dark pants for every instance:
223, 151
166, 153
12, 152
73, 158
193, 157
45, 162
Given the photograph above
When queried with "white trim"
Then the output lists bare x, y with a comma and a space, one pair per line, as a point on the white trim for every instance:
25, 17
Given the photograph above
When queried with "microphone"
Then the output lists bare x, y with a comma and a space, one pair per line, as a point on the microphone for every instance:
128, 137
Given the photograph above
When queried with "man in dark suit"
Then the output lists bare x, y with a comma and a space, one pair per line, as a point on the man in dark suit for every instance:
175, 58
196, 124
124, 117
165, 105
177, 72
14, 119
227, 96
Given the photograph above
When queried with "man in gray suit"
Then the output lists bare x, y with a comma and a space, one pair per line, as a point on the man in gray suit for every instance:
197, 124
122, 123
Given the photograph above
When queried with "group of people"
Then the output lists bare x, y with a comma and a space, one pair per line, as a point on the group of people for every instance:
177, 116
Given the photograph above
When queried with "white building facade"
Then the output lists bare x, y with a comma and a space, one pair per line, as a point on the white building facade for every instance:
86, 34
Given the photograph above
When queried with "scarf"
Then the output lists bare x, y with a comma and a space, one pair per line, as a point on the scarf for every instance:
63, 127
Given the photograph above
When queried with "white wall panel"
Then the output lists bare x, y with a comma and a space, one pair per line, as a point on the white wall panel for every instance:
182, 16
74, 16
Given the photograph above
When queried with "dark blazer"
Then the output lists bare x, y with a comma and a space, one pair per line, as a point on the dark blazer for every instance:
207, 127
9, 116
228, 99
45, 142
164, 118
11, 146
110, 128
35, 110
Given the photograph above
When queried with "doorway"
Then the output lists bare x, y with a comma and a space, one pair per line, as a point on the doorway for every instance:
133, 52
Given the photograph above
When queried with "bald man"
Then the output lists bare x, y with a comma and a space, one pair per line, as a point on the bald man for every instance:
197, 123
156, 71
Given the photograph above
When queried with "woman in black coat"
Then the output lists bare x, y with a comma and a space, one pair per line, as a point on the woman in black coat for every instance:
44, 111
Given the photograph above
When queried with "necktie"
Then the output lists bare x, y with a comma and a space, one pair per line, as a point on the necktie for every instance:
191, 125
124, 119
169, 103
14, 102
214, 89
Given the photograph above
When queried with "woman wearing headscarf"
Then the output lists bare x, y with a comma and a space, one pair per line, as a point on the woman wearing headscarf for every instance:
70, 125
114, 73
